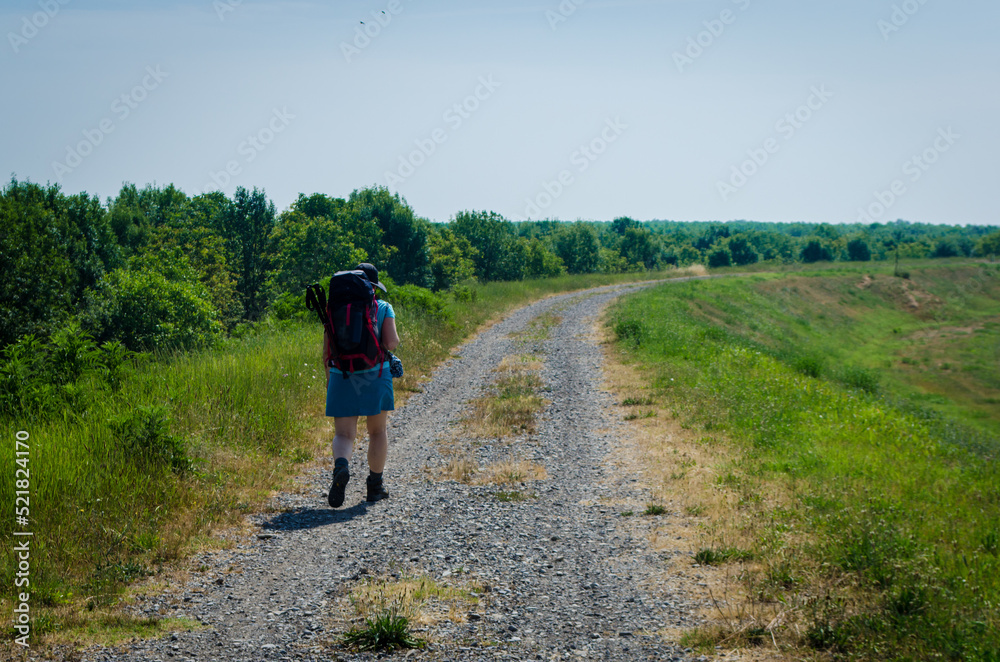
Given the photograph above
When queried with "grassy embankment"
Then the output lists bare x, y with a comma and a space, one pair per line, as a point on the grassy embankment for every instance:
140, 468
848, 420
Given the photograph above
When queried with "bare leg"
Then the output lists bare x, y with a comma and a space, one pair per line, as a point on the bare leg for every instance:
345, 432
378, 442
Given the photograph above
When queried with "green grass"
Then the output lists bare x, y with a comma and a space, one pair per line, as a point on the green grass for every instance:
888, 540
933, 338
385, 631
637, 402
186, 444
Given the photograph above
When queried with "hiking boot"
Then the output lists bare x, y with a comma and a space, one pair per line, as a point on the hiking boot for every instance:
376, 490
341, 474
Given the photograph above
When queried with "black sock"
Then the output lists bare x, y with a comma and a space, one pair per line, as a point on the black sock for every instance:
375, 478
340, 462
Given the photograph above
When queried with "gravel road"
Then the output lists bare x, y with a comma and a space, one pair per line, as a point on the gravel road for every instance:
559, 575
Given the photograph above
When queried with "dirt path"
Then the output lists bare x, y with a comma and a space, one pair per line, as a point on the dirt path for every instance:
559, 575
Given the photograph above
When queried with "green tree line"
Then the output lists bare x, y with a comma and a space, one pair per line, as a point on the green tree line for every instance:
154, 268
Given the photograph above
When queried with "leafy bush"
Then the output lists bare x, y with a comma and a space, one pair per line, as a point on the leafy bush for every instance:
23, 383
289, 305
451, 259
144, 437
145, 311
858, 250
946, 248
72, 353
631, 331
53, 248
866, 379
41, 377
420, 300
809, 365
464, 293
309, 249
817, 250
541, 262
577, 245
720, 257
742, 251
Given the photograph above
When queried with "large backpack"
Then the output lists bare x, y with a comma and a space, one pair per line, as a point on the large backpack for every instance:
349, 314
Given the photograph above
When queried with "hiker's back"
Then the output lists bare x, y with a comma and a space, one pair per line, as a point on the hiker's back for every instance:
353, 323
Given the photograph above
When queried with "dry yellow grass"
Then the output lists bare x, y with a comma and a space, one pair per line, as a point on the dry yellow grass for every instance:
511, 472
540, 327
512, 405
464, 469
421, 600
519, 363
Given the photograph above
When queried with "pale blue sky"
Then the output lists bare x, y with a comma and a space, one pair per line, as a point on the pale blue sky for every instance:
330, 122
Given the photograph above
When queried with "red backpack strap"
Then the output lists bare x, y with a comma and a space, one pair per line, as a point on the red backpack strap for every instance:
375, 336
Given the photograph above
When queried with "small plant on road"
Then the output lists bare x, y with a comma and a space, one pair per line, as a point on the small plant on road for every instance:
387, 630
722, 555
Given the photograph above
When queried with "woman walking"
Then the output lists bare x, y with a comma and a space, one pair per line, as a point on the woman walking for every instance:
365, 393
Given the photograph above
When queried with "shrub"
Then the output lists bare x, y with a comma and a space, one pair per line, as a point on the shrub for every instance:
145, 311
541, 262
946, 248
43, 377
72, 353
291, 305
720, 257
464, 293
420, 300
23, 386
742, 251
866, 379
816, 251
858, 250
811, 366
631, 331
144, 437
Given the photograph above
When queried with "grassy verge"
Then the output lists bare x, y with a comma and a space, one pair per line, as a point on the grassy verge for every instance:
863, 516
134, 477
